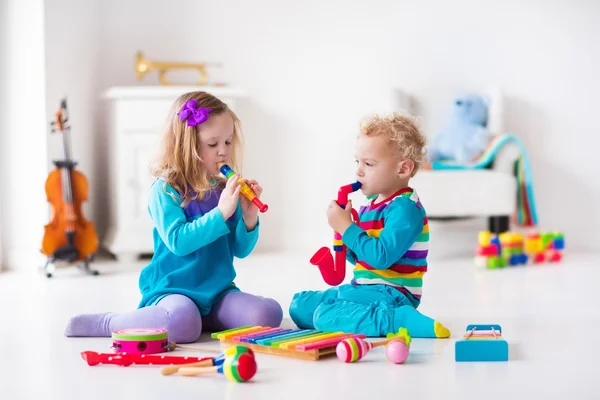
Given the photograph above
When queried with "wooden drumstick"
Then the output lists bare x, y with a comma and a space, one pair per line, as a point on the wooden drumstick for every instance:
173, 346
171, 369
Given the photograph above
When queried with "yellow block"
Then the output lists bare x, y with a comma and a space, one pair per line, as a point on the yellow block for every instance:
533, 245
484, 238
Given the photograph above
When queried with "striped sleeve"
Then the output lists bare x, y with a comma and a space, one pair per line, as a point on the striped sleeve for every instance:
403, 222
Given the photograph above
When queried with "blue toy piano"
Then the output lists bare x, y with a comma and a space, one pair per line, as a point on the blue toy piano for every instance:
482, 343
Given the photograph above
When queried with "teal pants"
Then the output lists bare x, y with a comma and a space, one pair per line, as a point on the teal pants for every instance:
373, 310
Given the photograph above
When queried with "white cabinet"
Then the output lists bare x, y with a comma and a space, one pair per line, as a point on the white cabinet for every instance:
137, 117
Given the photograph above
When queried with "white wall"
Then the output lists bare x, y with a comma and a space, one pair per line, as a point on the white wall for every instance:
3, 101
72, 72
48, 51
24, 130
313, 68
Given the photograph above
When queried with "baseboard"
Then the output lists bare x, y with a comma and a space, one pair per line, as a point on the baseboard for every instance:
22, 259
454, 239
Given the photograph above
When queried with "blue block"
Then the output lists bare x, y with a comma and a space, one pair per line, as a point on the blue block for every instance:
481, 349
559, 244
515, 259
496, 240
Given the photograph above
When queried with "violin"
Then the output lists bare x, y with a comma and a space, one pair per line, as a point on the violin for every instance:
68, 236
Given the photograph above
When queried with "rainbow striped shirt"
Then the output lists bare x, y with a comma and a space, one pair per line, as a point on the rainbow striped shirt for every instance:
389, 244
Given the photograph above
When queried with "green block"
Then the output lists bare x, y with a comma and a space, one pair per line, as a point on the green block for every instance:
546, 239
496, 262
509, 252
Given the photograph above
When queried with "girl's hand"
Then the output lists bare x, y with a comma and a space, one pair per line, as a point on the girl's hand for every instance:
249, 210
229, 197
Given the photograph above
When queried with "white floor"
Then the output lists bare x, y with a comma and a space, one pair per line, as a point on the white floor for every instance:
549, 315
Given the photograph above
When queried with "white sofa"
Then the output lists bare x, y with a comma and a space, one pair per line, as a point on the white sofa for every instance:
453, 194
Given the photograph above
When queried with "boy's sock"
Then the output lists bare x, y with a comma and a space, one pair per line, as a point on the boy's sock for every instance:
417, 324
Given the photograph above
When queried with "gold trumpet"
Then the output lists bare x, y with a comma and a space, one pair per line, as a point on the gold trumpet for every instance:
143, 66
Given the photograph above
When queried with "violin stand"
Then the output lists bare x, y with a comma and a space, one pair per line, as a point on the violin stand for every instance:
84, 266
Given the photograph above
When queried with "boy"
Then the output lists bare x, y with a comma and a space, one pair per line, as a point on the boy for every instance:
388, 246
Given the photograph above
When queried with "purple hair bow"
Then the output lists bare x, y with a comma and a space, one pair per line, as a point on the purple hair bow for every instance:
195, 116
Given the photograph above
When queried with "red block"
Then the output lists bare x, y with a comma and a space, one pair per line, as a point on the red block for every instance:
555, 257
491, 250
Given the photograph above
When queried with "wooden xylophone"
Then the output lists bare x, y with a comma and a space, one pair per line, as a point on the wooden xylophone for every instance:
306, 344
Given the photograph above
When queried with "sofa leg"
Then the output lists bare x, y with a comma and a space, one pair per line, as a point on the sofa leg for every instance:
499, 224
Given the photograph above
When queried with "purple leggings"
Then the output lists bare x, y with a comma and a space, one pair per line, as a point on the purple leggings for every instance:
180, 316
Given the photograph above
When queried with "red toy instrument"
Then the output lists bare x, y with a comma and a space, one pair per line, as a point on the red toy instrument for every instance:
334, 271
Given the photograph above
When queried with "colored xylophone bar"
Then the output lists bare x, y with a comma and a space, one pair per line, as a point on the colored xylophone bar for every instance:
306, 344
483, 335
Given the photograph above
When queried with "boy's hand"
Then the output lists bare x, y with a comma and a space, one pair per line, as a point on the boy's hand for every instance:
339, 219
249, 210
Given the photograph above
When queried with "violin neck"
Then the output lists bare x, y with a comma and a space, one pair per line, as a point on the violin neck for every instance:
66, 166
67, 144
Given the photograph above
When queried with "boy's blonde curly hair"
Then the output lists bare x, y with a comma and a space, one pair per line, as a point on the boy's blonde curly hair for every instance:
403, 131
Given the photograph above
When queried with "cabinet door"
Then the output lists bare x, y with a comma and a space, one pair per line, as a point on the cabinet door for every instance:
137, 151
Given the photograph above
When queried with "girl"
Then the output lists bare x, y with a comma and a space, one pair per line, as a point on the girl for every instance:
201, 223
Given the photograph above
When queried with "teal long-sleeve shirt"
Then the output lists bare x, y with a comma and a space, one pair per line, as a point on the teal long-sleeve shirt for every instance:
194, 248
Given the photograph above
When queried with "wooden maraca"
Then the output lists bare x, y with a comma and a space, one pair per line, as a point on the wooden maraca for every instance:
353, 349
397, 351
237, 368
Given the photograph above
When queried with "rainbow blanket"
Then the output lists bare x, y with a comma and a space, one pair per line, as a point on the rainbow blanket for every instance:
526, 214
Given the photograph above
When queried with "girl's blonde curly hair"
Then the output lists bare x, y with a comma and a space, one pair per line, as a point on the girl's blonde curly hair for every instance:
403, 131
179, 162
